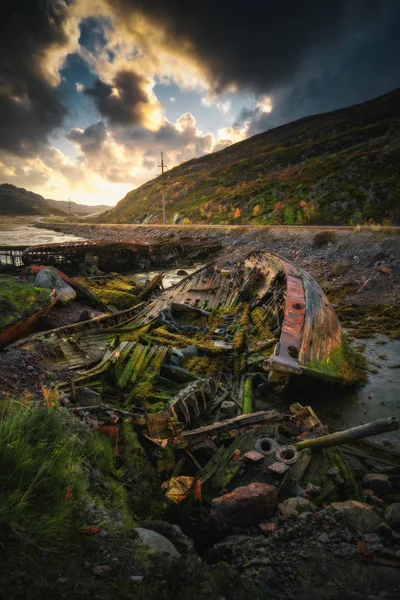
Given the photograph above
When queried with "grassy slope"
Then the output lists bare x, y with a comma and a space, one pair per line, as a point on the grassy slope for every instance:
336, 168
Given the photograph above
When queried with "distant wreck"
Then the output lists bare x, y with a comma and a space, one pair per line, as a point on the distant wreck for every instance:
119, 256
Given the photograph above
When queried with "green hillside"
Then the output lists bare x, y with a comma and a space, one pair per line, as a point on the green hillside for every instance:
340, 167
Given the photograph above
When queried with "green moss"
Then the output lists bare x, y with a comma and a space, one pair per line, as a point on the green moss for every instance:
263, 320
344, 365
204, 366
247, 406
19, 300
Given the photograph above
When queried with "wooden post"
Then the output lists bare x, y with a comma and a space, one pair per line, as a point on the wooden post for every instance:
349, 435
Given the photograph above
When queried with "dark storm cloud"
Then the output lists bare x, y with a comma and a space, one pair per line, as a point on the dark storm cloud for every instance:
315, 55
30, 107
256, 44
120, 102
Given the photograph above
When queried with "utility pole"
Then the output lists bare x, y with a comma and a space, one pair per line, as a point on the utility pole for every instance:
162, 167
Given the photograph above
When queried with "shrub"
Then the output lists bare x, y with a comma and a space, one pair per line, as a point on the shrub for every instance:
322, 238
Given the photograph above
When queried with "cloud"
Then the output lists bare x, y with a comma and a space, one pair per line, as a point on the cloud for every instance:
256, 47
126, 101
34, 38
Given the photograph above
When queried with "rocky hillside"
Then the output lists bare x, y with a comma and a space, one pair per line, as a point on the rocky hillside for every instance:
334, 168
19, 201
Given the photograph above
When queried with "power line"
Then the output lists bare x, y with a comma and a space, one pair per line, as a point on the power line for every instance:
162, 167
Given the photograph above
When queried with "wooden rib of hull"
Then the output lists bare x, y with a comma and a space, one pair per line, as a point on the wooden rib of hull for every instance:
23, 327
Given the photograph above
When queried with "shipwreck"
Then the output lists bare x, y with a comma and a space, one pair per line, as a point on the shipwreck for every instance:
119, 255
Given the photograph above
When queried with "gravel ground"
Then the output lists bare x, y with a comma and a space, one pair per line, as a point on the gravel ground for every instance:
314, 556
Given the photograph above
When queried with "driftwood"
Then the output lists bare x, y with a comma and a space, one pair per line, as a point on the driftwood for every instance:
349, 435
235, 423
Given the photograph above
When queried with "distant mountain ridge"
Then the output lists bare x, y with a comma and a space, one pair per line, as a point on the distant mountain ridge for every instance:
78, 209
340, 167
19, 201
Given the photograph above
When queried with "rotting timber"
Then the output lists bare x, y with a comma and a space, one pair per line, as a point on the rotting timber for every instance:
119, 255
187, 368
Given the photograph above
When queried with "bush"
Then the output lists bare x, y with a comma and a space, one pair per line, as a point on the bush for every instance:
322, 238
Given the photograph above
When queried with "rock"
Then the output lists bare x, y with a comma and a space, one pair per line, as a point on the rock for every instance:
87, 314
137, 578
101, 570
378, 483
357, 515
190, 351
47, 278
323, 538
312, 490
182, 273
173, 533
293, 507
268, 528
157, 542
244, 505
392, 516
385, 269
88, 397
229, 408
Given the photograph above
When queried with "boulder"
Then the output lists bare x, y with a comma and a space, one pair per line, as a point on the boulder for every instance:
378, 483
392, 516
357, 515
293, 507
244, 506
157, 543
47, 278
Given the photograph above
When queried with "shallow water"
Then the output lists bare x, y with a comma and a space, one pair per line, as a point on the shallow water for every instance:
378, 399
170, 275
21, 235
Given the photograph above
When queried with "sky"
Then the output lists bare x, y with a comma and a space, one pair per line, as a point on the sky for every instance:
91, 91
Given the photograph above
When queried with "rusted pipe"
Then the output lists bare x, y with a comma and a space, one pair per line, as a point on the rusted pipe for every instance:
349, 435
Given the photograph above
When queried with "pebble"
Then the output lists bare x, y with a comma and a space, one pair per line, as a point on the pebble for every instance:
137, 578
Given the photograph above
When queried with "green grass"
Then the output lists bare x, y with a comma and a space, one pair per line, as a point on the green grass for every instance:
52, 468
44, 461
19, 300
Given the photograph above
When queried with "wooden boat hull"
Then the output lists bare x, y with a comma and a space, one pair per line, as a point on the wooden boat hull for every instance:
21, 328
310, 327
